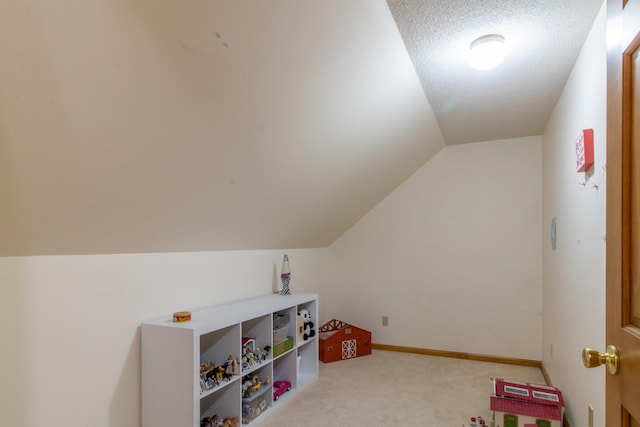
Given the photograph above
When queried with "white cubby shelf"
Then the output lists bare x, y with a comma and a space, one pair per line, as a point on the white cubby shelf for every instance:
173, 352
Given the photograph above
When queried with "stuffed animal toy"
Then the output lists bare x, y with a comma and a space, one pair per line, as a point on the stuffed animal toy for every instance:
308, 324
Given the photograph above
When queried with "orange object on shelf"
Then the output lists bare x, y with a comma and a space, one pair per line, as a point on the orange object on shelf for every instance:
181, 316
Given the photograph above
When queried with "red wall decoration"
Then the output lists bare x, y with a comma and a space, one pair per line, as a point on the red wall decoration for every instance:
584, 150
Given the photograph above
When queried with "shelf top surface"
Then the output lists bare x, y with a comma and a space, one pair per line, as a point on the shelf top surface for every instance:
228, 314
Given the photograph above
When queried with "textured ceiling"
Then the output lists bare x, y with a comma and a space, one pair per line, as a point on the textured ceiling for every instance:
515, 99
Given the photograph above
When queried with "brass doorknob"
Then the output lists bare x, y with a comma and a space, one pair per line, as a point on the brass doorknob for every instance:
592, 358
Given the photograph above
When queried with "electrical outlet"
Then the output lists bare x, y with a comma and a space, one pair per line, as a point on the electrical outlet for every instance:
385, 320
590, 415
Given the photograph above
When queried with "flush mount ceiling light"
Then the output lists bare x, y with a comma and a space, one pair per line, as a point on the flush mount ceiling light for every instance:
487, 51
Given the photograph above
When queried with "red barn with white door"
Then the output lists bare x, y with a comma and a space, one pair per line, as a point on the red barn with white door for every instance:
340, 340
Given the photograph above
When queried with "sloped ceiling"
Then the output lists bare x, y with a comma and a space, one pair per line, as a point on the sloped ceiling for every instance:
144, 126
147, 126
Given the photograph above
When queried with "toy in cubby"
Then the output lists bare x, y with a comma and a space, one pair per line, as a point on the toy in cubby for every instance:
215, 422
308, 327
252, 355
211, 375
252, 383
255, 396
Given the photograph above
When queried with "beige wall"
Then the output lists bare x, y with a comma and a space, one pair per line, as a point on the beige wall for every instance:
574, 274
452, 256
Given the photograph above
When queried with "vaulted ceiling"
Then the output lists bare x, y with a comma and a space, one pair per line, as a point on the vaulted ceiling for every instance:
140, 126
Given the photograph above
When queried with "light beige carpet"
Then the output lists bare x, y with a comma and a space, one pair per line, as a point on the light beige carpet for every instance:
395, 389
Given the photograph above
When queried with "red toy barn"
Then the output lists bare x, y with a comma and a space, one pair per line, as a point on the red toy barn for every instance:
339, 341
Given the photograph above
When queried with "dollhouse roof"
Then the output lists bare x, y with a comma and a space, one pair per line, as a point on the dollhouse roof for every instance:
529, 409
526, 392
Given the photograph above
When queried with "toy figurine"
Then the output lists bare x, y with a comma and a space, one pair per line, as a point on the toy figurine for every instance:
229, 422
209, 421
208, 376
250, 384
232, 367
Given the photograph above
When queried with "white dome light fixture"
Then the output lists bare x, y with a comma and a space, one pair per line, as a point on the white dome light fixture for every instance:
487, 51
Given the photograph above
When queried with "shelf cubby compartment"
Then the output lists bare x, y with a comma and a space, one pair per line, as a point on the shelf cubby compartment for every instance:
256, 338
256, 393
284, 331
217, 349
307, 355
284, 368
284, 324
307, 350
222, 403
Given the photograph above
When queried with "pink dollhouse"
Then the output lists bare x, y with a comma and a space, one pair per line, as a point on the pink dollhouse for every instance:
516, 404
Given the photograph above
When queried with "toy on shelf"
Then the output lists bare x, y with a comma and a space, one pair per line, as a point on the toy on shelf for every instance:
215, 422
280, 387
252, 383
280, 326
252, 355
281, 341
308, 327
248, 342
255, 396
181, 316
229, 422
212, 375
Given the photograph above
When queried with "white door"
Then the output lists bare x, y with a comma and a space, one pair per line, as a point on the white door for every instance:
348, 349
